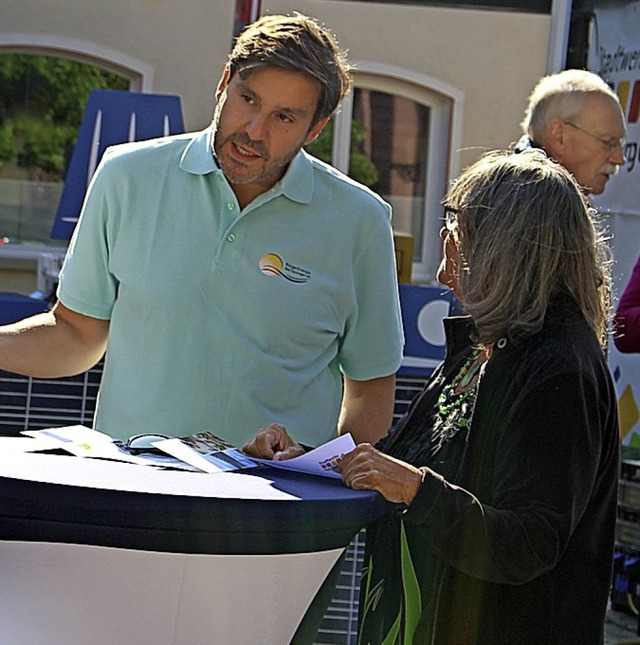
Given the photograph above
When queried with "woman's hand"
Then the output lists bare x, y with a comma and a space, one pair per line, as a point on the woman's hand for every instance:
366, 468
273, 442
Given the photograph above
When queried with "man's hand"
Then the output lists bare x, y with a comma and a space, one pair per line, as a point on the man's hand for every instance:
366, 468
273, 442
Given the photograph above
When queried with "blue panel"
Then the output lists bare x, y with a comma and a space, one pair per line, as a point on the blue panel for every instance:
15, 306
423, 309
111, 117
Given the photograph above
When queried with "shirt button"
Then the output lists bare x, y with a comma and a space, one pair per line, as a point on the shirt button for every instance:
231, 237
231, 206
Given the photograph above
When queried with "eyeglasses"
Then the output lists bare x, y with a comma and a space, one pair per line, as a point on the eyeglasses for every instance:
451, 217
141, 443
608, 144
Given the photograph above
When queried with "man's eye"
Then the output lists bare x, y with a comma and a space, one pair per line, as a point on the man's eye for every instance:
286, 118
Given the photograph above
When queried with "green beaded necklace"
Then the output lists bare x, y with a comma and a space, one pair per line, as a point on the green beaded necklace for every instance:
456, 401
463, 385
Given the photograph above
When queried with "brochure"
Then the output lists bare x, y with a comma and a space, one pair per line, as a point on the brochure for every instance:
205, 451
211, 454
322, 460
85, 442
202, 451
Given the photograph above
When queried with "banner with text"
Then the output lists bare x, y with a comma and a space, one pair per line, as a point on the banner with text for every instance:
615, 56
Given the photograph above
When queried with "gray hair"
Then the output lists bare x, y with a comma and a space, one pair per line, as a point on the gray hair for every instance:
295, 43
561, 96
526, 236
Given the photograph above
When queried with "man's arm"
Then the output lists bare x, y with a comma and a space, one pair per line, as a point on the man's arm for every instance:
367, 408
53, 344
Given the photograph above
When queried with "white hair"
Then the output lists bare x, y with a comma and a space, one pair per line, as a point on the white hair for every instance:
561, 96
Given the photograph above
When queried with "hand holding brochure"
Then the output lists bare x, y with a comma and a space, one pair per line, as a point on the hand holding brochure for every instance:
211, 454
322, 460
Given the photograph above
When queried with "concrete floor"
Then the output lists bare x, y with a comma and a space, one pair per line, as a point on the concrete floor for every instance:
621, 628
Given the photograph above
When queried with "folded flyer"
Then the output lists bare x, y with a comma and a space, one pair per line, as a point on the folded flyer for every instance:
205, 451
322, 460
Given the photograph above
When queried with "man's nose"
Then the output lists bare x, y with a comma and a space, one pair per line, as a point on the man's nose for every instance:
617, 155
256, 127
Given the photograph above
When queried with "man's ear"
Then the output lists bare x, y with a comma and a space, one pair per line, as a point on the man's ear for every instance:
555, 137
223, 82
316, 130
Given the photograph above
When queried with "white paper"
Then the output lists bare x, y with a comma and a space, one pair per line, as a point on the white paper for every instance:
212, 462
85, 442
79, 435
322, 460
27, 444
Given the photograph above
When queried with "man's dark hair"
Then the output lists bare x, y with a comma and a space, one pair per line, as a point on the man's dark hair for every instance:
295, 43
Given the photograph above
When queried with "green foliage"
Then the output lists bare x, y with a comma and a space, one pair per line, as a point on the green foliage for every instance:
361, 167
42, 143
8, 149
42, 100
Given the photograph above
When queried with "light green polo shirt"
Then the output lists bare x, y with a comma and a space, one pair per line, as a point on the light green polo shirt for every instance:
226, 320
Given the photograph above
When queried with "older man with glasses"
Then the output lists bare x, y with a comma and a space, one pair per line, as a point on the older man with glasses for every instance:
576, 118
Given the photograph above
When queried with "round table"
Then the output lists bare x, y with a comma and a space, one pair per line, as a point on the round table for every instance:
97, 552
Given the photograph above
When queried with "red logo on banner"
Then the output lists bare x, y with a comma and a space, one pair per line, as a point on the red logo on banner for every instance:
631, 107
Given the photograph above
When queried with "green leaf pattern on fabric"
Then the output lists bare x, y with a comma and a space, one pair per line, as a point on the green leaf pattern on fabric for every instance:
412, 596
410, 604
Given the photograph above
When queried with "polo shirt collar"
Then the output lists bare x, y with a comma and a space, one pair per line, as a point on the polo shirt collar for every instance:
197, 157
296, 184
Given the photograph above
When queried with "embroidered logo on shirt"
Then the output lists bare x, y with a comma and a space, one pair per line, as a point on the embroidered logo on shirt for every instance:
273, 264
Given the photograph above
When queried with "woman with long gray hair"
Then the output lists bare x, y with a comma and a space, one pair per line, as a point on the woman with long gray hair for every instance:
503, 473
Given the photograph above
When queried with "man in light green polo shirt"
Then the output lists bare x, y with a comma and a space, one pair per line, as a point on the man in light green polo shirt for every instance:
232, 279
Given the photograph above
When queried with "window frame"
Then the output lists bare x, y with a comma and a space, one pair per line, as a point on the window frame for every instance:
140, 76
446, 105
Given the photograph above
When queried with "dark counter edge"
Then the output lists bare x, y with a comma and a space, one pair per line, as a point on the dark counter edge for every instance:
43, 512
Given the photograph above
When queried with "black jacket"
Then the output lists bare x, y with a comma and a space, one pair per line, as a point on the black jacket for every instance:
512, 533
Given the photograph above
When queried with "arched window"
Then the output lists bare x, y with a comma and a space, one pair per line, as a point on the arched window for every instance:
42, 101
398, 134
